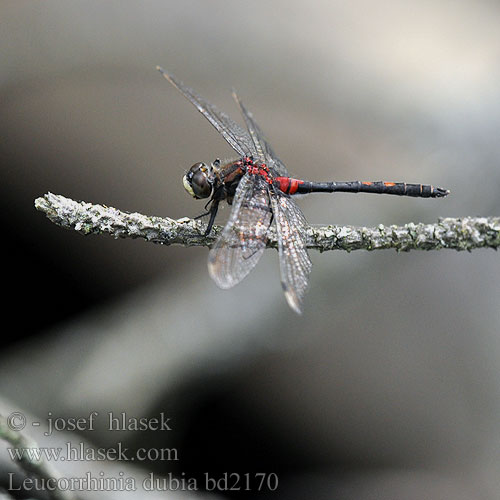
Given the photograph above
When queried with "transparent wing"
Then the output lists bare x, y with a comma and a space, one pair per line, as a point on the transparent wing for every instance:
264, 150
244, 237
237, 138
295, 264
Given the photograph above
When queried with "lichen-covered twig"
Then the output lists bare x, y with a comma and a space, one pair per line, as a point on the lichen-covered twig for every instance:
40, 467
465, 233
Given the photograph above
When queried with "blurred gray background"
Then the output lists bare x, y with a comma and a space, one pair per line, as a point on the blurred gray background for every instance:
388, 386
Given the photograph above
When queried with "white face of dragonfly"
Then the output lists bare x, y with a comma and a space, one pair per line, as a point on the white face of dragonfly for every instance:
199, 181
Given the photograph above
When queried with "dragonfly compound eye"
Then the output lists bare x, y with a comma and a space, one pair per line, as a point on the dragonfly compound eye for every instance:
197, 181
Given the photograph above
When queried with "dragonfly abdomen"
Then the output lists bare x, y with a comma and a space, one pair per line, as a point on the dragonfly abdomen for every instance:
296, 186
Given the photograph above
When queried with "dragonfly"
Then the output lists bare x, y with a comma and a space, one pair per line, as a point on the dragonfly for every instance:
260, 190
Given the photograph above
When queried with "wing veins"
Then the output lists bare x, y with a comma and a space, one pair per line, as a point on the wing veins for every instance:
234, 135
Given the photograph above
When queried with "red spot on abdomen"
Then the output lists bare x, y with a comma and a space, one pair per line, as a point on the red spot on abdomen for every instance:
288, 185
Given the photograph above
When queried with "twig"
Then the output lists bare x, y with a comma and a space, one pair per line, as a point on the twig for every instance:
30, 465
465, 233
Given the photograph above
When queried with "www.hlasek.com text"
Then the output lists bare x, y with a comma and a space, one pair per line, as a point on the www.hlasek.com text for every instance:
80, 452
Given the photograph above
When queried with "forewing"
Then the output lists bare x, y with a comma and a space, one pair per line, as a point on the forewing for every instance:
295, 264
237, 138
264, 150
244, 237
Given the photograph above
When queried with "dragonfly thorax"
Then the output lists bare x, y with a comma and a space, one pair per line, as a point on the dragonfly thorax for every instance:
199, 180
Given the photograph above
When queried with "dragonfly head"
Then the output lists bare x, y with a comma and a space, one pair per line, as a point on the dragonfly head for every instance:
199, 181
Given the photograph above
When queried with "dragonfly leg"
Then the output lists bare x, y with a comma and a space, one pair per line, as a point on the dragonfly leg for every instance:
201, 215
213, 213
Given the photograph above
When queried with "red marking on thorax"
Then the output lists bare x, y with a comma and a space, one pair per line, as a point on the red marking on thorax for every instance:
287, 185
258, 169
